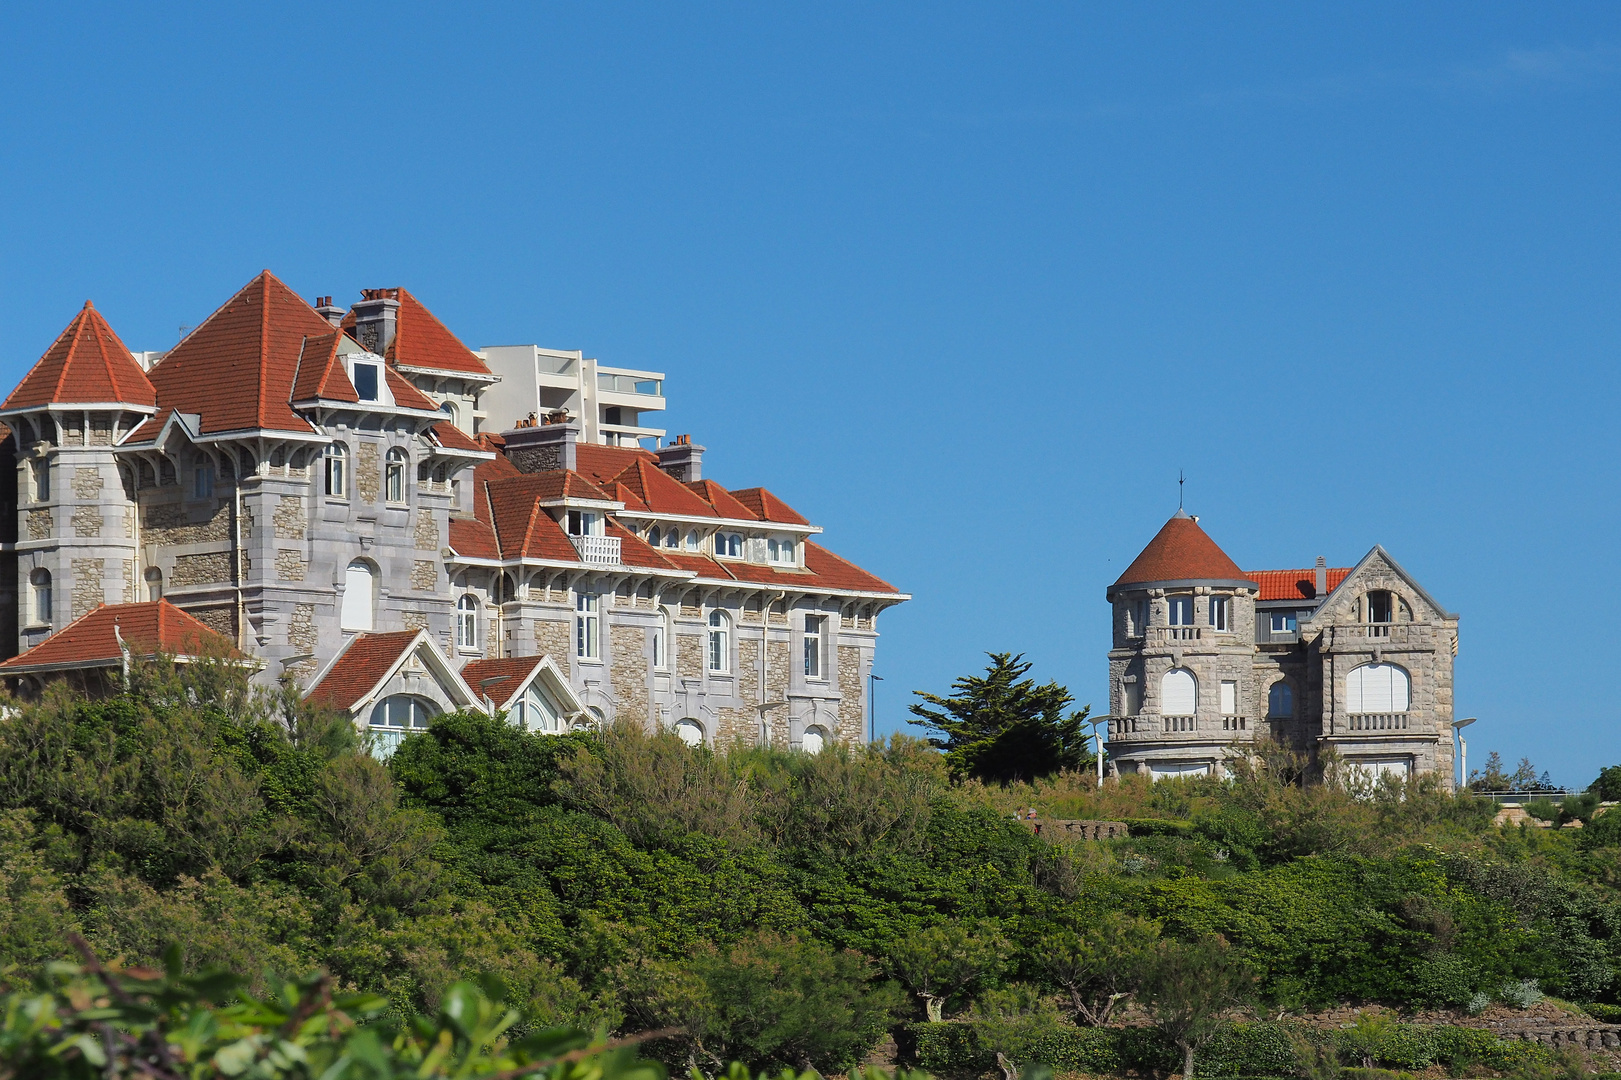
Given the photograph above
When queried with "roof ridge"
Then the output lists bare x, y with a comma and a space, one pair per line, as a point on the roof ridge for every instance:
77, 327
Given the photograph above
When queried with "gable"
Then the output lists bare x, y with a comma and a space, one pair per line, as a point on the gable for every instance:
1377, 570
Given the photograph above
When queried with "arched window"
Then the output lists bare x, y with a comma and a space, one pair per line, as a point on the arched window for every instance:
690, 731
692, 540
1378, 688
395, 717
672, 537
720, 655
449, 409
40, 582
467, 622
729, 544
335, 458
359, 595
154, 584
1280, 701
533, 712
1178, 693
662, 637
394, 476
653, 536
814, 739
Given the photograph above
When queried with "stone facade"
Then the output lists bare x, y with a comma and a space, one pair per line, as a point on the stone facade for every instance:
1200, 669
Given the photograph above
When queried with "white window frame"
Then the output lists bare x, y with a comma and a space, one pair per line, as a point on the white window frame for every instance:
720, 647
1229, 697
42, 479
467, 621
813, 646
663, 639
395, 464
335, 469
655, 536
377, 380
692, 540
587, 626
1179, 606
1288, 619
39, 585
1221, 610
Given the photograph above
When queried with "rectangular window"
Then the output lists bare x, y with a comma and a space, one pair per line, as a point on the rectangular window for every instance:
586, 629
1229, 698
582, 523
1181, 610
813, 646
1379, 606
1139, 618
658, 647
1218, 613
42, 481
366, 382
202, 485
1283, 622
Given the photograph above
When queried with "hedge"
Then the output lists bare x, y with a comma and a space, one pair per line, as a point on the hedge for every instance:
955, 1048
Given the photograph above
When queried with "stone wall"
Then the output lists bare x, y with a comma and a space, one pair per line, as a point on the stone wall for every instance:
554, 638
424, 575
88, 593
87, 521
743, 722
168, 524
368, 480
628, 670
39, 524
131, 585
87, 483
427, 531
288, 518
205, 568
221, 620
414, 620
851, 713
290, 565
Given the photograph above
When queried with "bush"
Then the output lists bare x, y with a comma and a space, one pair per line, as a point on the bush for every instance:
956, 1048
1610, 1014
1522, 994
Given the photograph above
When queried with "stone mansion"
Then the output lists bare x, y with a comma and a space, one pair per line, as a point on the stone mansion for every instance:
1207, 657
354, 499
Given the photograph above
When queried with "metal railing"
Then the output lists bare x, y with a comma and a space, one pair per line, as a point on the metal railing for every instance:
597, 550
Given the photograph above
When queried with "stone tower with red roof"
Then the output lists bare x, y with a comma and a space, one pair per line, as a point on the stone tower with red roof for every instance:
1207, 658
317, 485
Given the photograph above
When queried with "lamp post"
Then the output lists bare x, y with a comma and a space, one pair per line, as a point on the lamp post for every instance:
765, 723
1097, 736
872, 704
1463, 748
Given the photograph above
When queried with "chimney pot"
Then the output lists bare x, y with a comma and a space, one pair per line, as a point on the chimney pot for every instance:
682, 459
1322, 576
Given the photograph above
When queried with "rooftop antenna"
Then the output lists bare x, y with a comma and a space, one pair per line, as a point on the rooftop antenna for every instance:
1180, 480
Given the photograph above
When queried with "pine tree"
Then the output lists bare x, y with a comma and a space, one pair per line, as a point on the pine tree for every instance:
1001, 727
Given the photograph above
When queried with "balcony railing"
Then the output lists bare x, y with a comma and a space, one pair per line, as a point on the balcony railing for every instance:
629, 384
1181, 633
597, 550
1377, 721
1376, 629
1181, 723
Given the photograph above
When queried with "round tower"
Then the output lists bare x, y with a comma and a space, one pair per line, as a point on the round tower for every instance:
1181, 666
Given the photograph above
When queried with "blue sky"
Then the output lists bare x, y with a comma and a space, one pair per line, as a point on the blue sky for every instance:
967, 285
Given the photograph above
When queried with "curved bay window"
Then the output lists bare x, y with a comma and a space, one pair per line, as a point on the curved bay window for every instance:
395, 717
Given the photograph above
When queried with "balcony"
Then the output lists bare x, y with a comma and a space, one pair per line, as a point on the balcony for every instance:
1180, 633
597, 550
641, 383
1377, 721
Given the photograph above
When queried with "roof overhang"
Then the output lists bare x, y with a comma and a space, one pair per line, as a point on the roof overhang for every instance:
551, 679
737, 523
75, 406
446, 676
448, 373
1182, 583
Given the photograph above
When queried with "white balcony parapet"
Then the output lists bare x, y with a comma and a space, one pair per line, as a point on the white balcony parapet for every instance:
597, 550
1377, 721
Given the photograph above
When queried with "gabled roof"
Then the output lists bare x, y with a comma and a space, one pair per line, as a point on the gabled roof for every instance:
368, 661
522, 529
724, 502
660, 492
236, 370
634, 551
767, 507
320, 371
1181, 551
407, 396
451, 437
1294, 584
1378, 552
601, 464
501, 680
87, 364
91, 640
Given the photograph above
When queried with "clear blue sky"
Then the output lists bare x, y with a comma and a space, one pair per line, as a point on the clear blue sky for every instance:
966, 285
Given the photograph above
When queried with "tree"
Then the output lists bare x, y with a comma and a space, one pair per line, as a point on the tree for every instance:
1608, 785
1188, 988
1100, 965
943, 960
1002, 727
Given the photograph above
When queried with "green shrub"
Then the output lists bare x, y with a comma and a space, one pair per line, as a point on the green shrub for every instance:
955, 1048
1610, 1014
1260, 1049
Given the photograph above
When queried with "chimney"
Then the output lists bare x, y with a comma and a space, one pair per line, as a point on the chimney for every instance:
682, 459
544, 448
327, 310
375, 318
1322, 576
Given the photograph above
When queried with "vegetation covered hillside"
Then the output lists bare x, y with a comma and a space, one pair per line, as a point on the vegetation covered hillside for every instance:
774, 908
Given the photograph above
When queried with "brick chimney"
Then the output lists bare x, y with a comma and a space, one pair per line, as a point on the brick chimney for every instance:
329, 311
375, 318
682, 459
1322, 576
544, 447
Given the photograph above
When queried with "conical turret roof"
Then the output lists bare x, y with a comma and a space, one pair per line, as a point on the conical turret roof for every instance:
1181, 551
87, 365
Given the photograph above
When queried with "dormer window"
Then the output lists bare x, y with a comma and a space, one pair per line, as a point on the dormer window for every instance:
584, 523
1283, 622
780, 551
692, 540
653, 536
729, 545
366, 381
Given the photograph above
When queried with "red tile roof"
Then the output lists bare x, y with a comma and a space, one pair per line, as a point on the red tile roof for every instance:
421, 340
724, 502
634, 551
320, 371
767, 507
452, 437
86, 364
839, 574
236, 369
360, 667
1181, 552
1295, 584
660, 492
407, 396
472, 538
148, 628
603, 463
507, 675
522, 529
